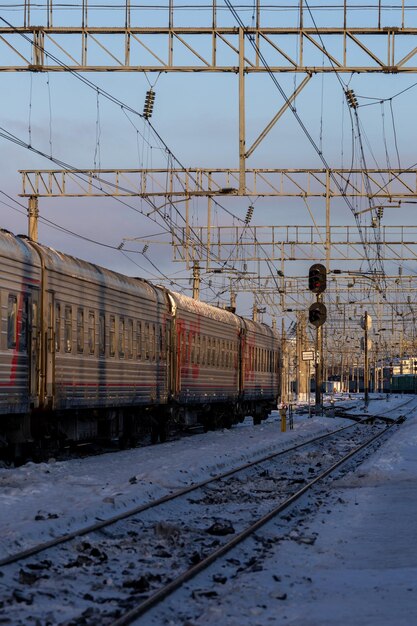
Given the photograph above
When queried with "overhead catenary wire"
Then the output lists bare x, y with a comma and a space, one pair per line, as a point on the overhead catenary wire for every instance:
315, 7
104, 93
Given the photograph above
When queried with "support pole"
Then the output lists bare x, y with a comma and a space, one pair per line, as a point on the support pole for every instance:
196, 281
319, 365
33, 216
242, 138
328, 230
284, 365
366, 364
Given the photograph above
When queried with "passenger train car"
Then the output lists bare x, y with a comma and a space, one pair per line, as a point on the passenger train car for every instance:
88, 353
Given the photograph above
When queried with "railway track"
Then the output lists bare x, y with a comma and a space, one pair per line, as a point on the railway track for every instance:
114, 571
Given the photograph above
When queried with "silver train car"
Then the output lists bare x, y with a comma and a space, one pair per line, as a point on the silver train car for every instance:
87, 353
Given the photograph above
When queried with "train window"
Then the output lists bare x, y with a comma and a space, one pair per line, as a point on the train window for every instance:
147, 341
101, 334
153, 342
80, 330
203, 349
138, 340
183, 347
167, 341
190, 348
112, 335
122, 346
91, 332
198, 349
130, 339
57, 327
23, 330
12, 321
68, 329
160, 343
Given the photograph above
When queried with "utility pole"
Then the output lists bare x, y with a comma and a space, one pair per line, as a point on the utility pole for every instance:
319, 364
284, 365
367, 324
196, 281
33, 216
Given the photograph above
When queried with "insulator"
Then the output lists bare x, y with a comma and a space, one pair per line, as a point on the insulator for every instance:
145, 249
374, 223
380, 212
149, 102
351, 99
249, 214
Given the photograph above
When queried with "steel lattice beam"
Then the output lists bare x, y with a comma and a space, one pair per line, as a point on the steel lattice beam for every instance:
379, 184
85, 45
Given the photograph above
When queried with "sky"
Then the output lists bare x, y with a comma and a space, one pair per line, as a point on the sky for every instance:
196, 114
359, 570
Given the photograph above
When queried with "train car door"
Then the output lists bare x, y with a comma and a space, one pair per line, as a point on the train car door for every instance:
241, 359
50, 349
169, 357
46, 350
173, 349
33, 346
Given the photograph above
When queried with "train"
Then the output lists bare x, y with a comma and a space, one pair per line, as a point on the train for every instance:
87, 353
403, 383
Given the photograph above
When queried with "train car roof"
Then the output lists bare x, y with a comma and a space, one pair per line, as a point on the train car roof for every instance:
202, 308
90, 272
261, 328
17, 249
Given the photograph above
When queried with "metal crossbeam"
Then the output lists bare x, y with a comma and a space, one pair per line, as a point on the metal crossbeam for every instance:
385, 184
83, 41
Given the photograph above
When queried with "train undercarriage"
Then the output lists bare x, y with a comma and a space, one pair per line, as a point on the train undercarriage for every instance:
41, 434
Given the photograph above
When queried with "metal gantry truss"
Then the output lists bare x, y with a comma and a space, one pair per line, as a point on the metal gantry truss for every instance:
158, 38
251, 244
377, 184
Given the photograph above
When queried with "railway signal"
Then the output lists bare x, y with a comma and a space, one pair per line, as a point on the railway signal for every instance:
317, 278
317, 314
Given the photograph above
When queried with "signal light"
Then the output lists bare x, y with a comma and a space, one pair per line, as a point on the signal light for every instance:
149, 102
317, 278
317, 314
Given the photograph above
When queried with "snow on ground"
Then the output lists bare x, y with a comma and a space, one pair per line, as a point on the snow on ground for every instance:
352, 564
360, 569
40, 501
